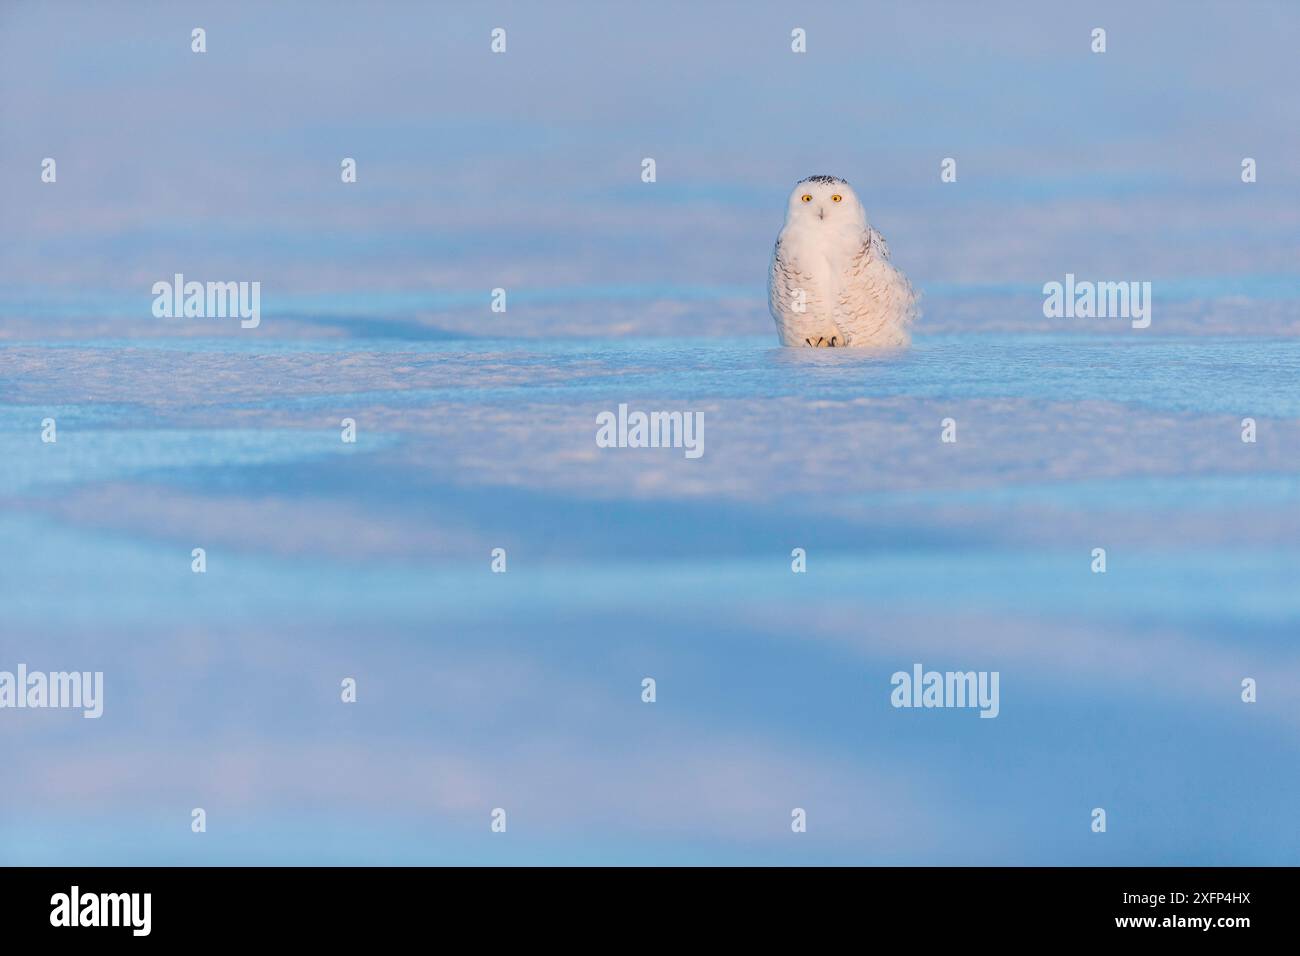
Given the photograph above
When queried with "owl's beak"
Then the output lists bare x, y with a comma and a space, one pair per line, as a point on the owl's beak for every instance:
821, 212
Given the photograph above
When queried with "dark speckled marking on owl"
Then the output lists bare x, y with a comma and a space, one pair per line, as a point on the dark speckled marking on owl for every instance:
824, 180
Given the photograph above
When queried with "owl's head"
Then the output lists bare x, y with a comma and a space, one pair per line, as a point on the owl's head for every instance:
825, 201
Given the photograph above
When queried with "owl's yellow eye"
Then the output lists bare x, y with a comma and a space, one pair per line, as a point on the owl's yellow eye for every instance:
836, 198
806, 198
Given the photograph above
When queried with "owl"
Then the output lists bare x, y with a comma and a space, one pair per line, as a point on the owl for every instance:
832, 283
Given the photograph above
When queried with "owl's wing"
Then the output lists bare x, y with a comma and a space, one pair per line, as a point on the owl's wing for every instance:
877, 302
788, 284
781, 282
785, 277
875, 244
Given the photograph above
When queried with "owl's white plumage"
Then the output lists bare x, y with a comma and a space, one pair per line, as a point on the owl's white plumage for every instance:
832, 283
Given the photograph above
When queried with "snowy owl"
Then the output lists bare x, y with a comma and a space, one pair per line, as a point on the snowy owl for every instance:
832, 283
